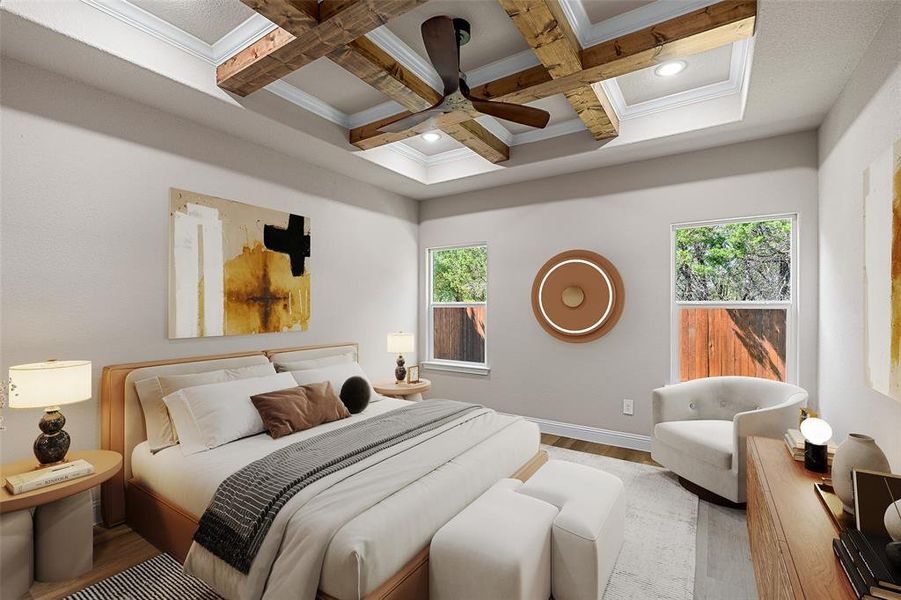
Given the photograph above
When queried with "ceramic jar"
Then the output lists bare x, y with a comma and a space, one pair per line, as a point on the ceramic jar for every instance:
892, 520
858, 451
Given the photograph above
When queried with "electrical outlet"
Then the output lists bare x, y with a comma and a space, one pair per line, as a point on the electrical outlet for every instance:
628, 408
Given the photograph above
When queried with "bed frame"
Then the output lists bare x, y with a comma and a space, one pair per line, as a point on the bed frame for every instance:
170, 528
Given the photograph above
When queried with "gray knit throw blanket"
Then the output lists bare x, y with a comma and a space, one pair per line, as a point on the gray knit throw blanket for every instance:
246, 503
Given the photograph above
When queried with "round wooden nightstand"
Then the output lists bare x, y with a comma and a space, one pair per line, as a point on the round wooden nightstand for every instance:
407, 391
63, 522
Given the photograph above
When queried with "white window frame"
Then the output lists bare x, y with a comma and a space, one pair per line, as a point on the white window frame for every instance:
791, 306
437, 364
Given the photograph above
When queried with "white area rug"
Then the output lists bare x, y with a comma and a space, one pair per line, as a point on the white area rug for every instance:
658, 556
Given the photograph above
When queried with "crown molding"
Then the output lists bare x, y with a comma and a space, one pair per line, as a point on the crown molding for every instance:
503, 67
589, 33
240, 37
497, 128
151, 24
385, 39
296, 96
739, 60
377, 112
425, 160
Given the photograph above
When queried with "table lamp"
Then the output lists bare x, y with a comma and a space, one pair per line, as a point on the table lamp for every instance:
48, 385
817, 434
398, 343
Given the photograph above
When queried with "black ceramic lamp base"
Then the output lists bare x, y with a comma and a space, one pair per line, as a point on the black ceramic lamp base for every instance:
53, 443
816, 457
400, 373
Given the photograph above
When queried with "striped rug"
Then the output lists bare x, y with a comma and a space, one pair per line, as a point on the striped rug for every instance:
159, 578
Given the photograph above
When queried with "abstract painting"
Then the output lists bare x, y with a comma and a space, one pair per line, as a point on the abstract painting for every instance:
235, 269
882, 259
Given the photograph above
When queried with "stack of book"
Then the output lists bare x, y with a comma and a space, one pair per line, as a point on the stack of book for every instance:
32, 480
795, 442
862, 556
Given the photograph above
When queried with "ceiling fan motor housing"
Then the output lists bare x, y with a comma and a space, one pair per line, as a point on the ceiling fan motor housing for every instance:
461, 26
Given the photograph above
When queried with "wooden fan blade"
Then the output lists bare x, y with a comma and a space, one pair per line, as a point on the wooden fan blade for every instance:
525, 115
411, 121
440, 41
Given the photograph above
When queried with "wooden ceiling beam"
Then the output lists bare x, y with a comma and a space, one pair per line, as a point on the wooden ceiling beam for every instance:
382, 71
362, 58
368, 136
698, 31
478, 139
292, 15
298, 41
692, 33
379, 69
547, 31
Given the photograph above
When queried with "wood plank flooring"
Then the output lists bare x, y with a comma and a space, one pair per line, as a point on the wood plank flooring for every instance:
636, 456
115, 550
722, 570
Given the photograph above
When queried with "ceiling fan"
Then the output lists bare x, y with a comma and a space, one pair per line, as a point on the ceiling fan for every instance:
443, 36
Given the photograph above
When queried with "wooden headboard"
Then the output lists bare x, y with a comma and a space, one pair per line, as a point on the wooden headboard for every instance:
116, 421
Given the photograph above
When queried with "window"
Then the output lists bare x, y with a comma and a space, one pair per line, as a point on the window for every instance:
734, 299
458, 294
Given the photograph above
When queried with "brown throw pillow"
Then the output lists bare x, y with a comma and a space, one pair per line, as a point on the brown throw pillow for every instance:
299, 408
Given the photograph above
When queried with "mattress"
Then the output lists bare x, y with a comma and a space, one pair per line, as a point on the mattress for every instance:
371, 547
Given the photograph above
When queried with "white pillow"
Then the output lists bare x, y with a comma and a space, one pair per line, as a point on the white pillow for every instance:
315, 363
207, 416
160, 432
336, 374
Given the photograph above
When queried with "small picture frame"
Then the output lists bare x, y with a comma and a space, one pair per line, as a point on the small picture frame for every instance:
413, 374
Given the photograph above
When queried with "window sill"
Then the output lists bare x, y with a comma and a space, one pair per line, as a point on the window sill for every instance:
450, 367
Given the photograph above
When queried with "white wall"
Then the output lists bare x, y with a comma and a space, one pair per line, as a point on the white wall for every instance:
85, 193
863, 123
624, 213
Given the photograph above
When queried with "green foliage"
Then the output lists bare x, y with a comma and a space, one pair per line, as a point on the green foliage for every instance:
460, 274
734, 262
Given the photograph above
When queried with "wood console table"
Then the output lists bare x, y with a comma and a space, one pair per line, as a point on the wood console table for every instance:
790, 531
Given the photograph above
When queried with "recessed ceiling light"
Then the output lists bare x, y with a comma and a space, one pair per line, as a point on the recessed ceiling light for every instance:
431, 137
668, 69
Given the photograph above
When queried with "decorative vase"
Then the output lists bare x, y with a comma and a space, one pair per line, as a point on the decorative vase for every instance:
892, 520
858, 451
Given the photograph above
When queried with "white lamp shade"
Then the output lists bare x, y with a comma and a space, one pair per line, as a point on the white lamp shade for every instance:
816, 431
400, 342
51, 383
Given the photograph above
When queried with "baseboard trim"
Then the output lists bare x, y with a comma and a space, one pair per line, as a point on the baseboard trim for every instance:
621, 439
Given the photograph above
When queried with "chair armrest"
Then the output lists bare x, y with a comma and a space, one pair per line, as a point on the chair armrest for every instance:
770, 422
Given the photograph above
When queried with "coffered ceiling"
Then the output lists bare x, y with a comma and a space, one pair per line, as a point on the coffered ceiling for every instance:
497, 48
325, 102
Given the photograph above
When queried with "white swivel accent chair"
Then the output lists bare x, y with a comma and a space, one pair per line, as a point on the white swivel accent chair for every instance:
700, 427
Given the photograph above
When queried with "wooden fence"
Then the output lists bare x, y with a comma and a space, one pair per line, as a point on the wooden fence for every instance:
720, 341
459, 333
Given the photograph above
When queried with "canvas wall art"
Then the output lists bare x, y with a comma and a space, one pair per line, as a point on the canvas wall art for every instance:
882, 257
235, 269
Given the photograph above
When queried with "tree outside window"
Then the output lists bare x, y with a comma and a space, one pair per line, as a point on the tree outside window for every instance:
458, 290
733, 305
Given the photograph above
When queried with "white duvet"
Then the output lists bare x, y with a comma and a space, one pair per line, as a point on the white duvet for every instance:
347, 533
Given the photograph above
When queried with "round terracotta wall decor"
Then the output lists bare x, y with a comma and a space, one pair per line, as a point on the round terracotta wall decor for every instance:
578, 296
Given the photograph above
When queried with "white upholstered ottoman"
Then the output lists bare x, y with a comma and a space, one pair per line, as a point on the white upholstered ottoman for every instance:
497, 548
588, 533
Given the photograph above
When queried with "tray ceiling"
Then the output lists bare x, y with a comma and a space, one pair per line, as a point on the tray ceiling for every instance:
707, 68
496, 49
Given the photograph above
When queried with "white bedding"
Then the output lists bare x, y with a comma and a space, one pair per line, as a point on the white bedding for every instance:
375, 544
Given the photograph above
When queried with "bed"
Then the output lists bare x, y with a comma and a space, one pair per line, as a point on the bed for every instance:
380, 551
